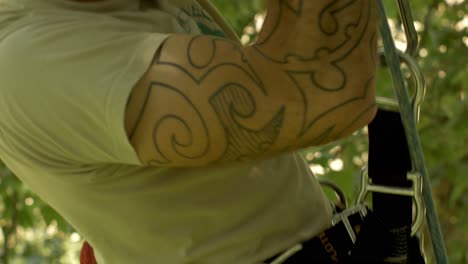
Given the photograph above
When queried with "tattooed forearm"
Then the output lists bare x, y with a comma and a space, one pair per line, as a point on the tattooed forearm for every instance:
308, 80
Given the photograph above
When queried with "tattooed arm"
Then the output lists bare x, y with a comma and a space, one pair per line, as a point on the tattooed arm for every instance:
308, 80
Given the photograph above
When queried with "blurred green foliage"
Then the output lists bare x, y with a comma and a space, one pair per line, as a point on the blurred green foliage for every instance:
32, 232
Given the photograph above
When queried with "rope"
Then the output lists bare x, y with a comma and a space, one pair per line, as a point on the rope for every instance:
414, 143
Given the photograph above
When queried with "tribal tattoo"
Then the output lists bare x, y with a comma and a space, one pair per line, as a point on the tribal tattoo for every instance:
308, 80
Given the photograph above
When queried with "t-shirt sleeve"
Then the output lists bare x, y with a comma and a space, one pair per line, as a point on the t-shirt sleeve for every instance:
65, 84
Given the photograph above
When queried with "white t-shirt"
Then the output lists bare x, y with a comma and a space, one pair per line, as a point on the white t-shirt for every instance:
66, 71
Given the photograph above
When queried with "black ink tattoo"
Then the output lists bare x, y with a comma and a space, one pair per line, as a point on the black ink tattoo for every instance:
295, 6
230, 110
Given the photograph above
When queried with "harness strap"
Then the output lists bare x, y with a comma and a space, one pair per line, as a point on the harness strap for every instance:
358, 239
389, 164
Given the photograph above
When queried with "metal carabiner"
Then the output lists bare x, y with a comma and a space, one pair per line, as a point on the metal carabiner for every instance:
406, 16
407, 57
340, 194
419, 84
415, 191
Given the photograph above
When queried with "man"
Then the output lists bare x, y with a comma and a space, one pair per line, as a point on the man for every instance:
162, 144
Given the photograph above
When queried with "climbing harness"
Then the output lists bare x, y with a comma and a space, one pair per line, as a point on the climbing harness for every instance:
409, 110
396, 176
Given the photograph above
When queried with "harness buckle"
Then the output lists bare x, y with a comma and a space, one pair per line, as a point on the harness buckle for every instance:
415, 191
344, 217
